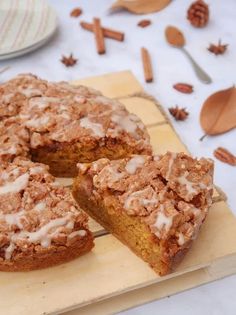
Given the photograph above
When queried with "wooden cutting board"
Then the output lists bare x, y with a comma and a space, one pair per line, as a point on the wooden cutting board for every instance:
111, 278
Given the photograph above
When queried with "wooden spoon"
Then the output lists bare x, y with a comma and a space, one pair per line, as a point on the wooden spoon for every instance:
176, 38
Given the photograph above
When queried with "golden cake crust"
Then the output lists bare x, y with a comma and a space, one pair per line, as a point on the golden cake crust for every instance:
162, 200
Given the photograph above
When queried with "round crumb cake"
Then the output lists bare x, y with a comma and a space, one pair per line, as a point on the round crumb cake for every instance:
59, 125
40, 223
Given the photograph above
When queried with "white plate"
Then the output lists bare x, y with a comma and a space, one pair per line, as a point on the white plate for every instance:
24, 26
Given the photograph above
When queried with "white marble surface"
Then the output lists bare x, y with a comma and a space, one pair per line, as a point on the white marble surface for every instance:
170, 66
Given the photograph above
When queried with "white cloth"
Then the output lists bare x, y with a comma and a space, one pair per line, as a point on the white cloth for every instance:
170, 66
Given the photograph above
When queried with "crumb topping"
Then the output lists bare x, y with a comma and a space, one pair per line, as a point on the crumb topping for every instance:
35, 211
14, 139
171, 193
59, 112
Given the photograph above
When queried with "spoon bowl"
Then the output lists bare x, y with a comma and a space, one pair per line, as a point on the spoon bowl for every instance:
174, 36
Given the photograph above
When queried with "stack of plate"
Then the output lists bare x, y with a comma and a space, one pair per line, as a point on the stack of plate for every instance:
25, 25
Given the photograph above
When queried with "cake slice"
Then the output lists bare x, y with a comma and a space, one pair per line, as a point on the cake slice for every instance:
154, 204
40, 223
67, 124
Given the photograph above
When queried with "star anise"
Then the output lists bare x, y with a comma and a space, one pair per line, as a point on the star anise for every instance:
69, 61
76, 12
178, 113
218, 49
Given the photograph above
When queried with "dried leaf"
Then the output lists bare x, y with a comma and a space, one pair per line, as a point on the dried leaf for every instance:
225, 156
218, 113
140, 6
183, 88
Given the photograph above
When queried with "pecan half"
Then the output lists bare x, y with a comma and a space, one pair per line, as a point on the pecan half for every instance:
76, 12
225, 156
183, 88
144, 23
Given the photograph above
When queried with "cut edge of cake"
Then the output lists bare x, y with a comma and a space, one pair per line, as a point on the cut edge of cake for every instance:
153, 204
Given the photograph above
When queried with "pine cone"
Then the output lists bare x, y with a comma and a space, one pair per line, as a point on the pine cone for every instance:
198, 13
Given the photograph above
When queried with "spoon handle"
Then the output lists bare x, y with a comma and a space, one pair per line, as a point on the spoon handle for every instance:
201, 74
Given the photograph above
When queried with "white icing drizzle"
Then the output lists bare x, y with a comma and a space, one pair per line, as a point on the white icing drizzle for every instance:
162, 221
142, 201
11, 150
134, 163
36, 170
181, 239
108, 174
9, 250
7, 97
79, 233
70, 225
65, 115
108, 102
203, 186
29, 91
171, 161
96, 128
125, 123
37, 122
80, 99
40, 206
15, 171
115, 174
6, 175
42, 102
189, 185
196, 211
19, 184
14, 218
83, 167
156, 158
24, 116
103, 100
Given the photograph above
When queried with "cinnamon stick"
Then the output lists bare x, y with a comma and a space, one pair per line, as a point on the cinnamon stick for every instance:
100, 43
147, 65
107, 32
